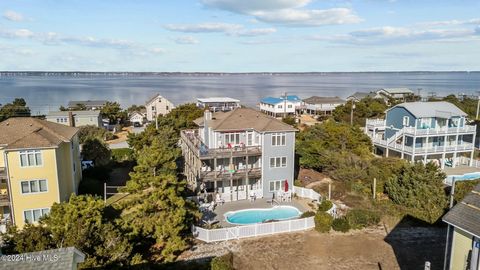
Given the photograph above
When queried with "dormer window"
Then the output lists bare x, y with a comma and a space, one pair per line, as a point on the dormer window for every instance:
406, 121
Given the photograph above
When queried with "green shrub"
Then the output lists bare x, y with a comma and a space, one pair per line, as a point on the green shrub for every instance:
307, 214
462, 188
110, 136
122, 154
340, 225
325, 206
297, 183
361, 218
224, 262
323, 222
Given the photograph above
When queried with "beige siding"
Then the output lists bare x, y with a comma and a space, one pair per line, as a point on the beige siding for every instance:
461, 246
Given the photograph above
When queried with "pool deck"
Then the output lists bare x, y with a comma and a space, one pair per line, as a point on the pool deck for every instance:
460, 170
220, 210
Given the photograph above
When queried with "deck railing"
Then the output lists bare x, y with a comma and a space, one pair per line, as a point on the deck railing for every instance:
253, 230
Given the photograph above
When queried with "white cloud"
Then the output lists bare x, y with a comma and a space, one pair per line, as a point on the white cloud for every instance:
474, 21
256, 32
395, 35
314, 17
13, 16
52, 38
226, 28
247, 6
186, 40
204, 27
287, 12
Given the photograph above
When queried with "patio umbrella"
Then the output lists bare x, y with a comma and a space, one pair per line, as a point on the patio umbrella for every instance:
286, 185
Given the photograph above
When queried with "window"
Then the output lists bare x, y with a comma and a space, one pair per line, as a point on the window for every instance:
278, 162
280, 106
232, 138
278, 139
276, 185
167, 108
34, 186
30, 158
289, 106
406, 121
34, 215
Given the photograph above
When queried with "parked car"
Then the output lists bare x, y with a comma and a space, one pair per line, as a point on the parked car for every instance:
86, 164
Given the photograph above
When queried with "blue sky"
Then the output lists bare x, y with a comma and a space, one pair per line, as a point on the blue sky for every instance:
239, 35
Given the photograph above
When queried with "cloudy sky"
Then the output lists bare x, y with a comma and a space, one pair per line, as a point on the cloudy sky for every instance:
239, 35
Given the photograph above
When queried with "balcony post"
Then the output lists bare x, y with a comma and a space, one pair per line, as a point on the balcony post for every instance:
246, 176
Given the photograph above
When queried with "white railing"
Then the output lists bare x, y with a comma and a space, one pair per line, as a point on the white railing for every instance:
376, 122
306, 193
442, 130
253, 230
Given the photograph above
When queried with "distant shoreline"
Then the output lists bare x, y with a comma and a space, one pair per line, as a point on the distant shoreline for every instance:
113, 73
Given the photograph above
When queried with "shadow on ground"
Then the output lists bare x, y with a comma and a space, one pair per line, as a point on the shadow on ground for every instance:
415, 242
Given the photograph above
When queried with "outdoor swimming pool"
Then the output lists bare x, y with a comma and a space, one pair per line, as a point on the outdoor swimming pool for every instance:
257, 215
467, 176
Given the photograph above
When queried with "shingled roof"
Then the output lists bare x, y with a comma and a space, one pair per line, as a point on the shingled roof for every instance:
466, 214
323, 100
53, 259
26, 132
244, 118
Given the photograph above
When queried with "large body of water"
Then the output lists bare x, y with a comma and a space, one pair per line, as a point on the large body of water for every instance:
44, 93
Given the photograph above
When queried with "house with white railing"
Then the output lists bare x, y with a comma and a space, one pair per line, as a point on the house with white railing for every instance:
423, 131
239, 153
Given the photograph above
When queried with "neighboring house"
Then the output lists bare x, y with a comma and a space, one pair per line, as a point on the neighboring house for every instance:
76, 118
321, 105
280, 107
465, 243
238, 153
218, 104
39, 165
53, 259
357, 96
137, 117
426, 131
395, 93
156, 106
88, 104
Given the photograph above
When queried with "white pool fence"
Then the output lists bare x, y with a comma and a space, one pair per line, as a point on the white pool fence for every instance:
260, 229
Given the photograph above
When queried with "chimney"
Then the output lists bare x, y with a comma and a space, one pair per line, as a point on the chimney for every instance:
207, 115
71, 120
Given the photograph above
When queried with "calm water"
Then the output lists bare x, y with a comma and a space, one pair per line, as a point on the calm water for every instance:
48, 93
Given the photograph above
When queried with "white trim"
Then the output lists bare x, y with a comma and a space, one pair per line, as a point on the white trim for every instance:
33, 209
26, 152
281, 162
29, 187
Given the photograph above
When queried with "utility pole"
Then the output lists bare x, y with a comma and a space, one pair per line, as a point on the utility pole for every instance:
478, 104
351, 112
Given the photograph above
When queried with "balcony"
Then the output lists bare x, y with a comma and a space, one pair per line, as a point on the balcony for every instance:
439, 131
194, 143
3, 173
430, 149
208, 175
4, 200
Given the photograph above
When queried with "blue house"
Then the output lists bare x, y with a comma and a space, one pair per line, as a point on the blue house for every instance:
280, 107
426, 131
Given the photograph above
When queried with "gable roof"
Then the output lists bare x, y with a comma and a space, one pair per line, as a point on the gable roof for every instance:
323, 100
441, 109
465, 215
274, 100
398, 90
27, 132
244, 118
361, 95
88, 103
75, 113
53, 259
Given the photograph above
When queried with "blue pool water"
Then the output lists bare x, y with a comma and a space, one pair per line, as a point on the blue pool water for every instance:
251, 216
467, 176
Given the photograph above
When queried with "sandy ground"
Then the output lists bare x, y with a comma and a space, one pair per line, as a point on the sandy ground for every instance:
373, 248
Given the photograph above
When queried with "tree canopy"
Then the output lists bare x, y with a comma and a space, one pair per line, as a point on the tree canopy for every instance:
96, 150
113, 111
419, 188
17, 108
365, 108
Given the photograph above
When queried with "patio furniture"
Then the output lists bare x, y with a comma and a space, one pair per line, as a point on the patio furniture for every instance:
252, 196
218, 199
